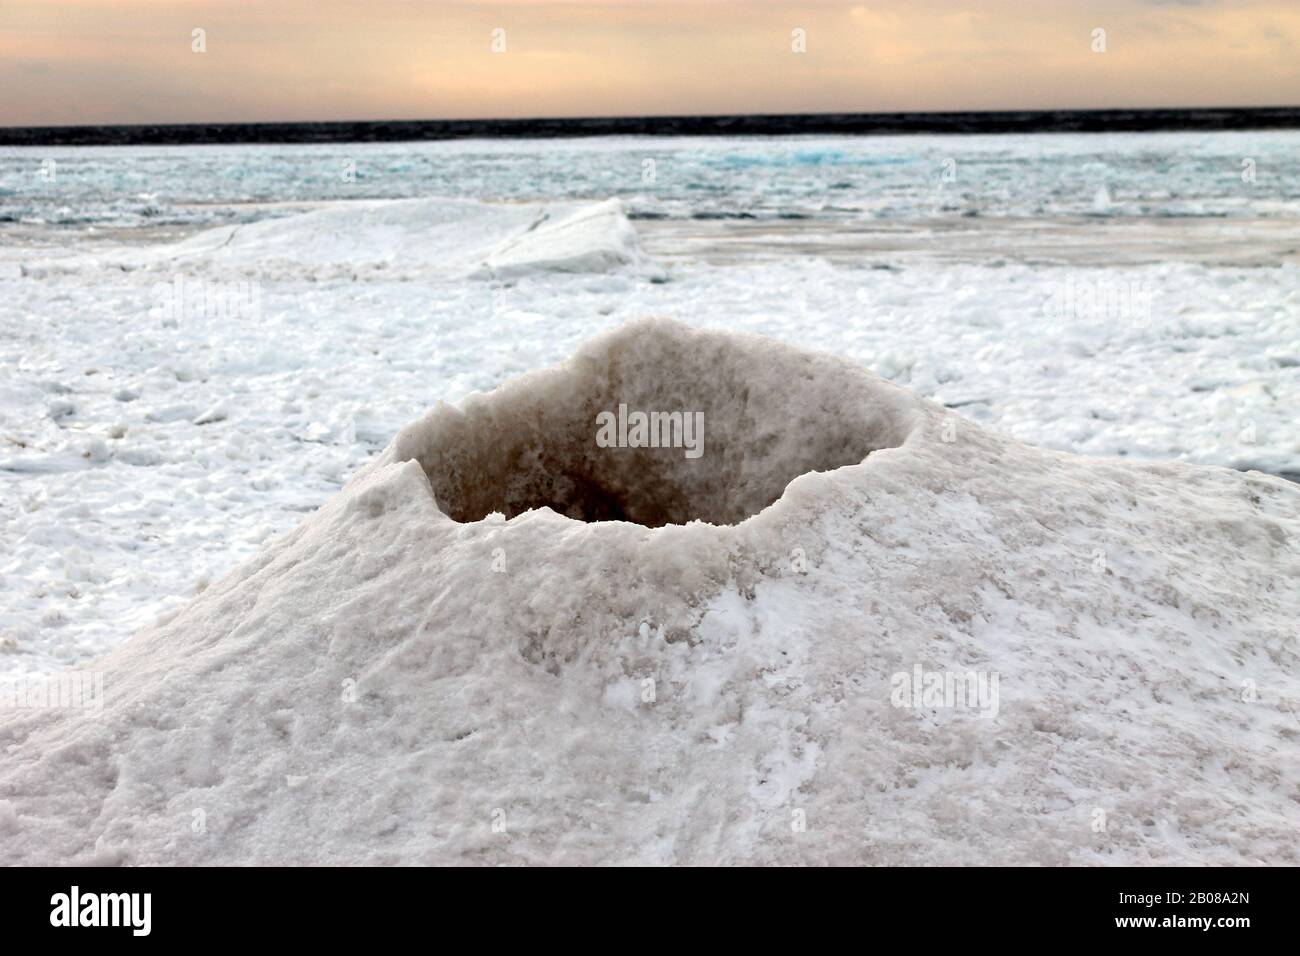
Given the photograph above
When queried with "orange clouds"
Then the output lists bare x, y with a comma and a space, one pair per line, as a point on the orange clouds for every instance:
104, 61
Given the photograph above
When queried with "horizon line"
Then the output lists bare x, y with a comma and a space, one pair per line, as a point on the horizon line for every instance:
992, 121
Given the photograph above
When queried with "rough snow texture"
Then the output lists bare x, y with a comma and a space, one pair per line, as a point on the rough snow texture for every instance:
143, 456
387, 685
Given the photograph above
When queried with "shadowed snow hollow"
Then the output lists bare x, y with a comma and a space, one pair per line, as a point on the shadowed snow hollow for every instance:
894, 637
678, 429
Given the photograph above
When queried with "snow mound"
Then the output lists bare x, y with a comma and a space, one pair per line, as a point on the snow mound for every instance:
399, 238
505, 642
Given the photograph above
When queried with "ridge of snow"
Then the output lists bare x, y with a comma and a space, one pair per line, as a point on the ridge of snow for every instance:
449, 238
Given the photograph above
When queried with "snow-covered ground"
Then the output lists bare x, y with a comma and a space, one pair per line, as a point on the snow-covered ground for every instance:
893, 637
171, 398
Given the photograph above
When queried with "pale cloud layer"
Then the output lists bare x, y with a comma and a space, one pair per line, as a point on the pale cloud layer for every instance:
130, 61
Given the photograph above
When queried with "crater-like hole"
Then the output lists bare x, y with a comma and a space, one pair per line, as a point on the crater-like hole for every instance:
655, 424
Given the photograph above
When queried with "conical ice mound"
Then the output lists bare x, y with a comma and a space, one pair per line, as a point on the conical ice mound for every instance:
812, 618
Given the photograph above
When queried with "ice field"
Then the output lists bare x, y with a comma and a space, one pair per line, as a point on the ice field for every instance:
199, 346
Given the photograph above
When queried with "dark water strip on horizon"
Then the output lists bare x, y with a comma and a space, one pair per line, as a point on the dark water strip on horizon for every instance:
387, 131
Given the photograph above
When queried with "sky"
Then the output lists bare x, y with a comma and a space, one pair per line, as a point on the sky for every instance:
135, 61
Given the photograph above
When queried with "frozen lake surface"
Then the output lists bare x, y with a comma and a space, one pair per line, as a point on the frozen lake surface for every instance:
199, 346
